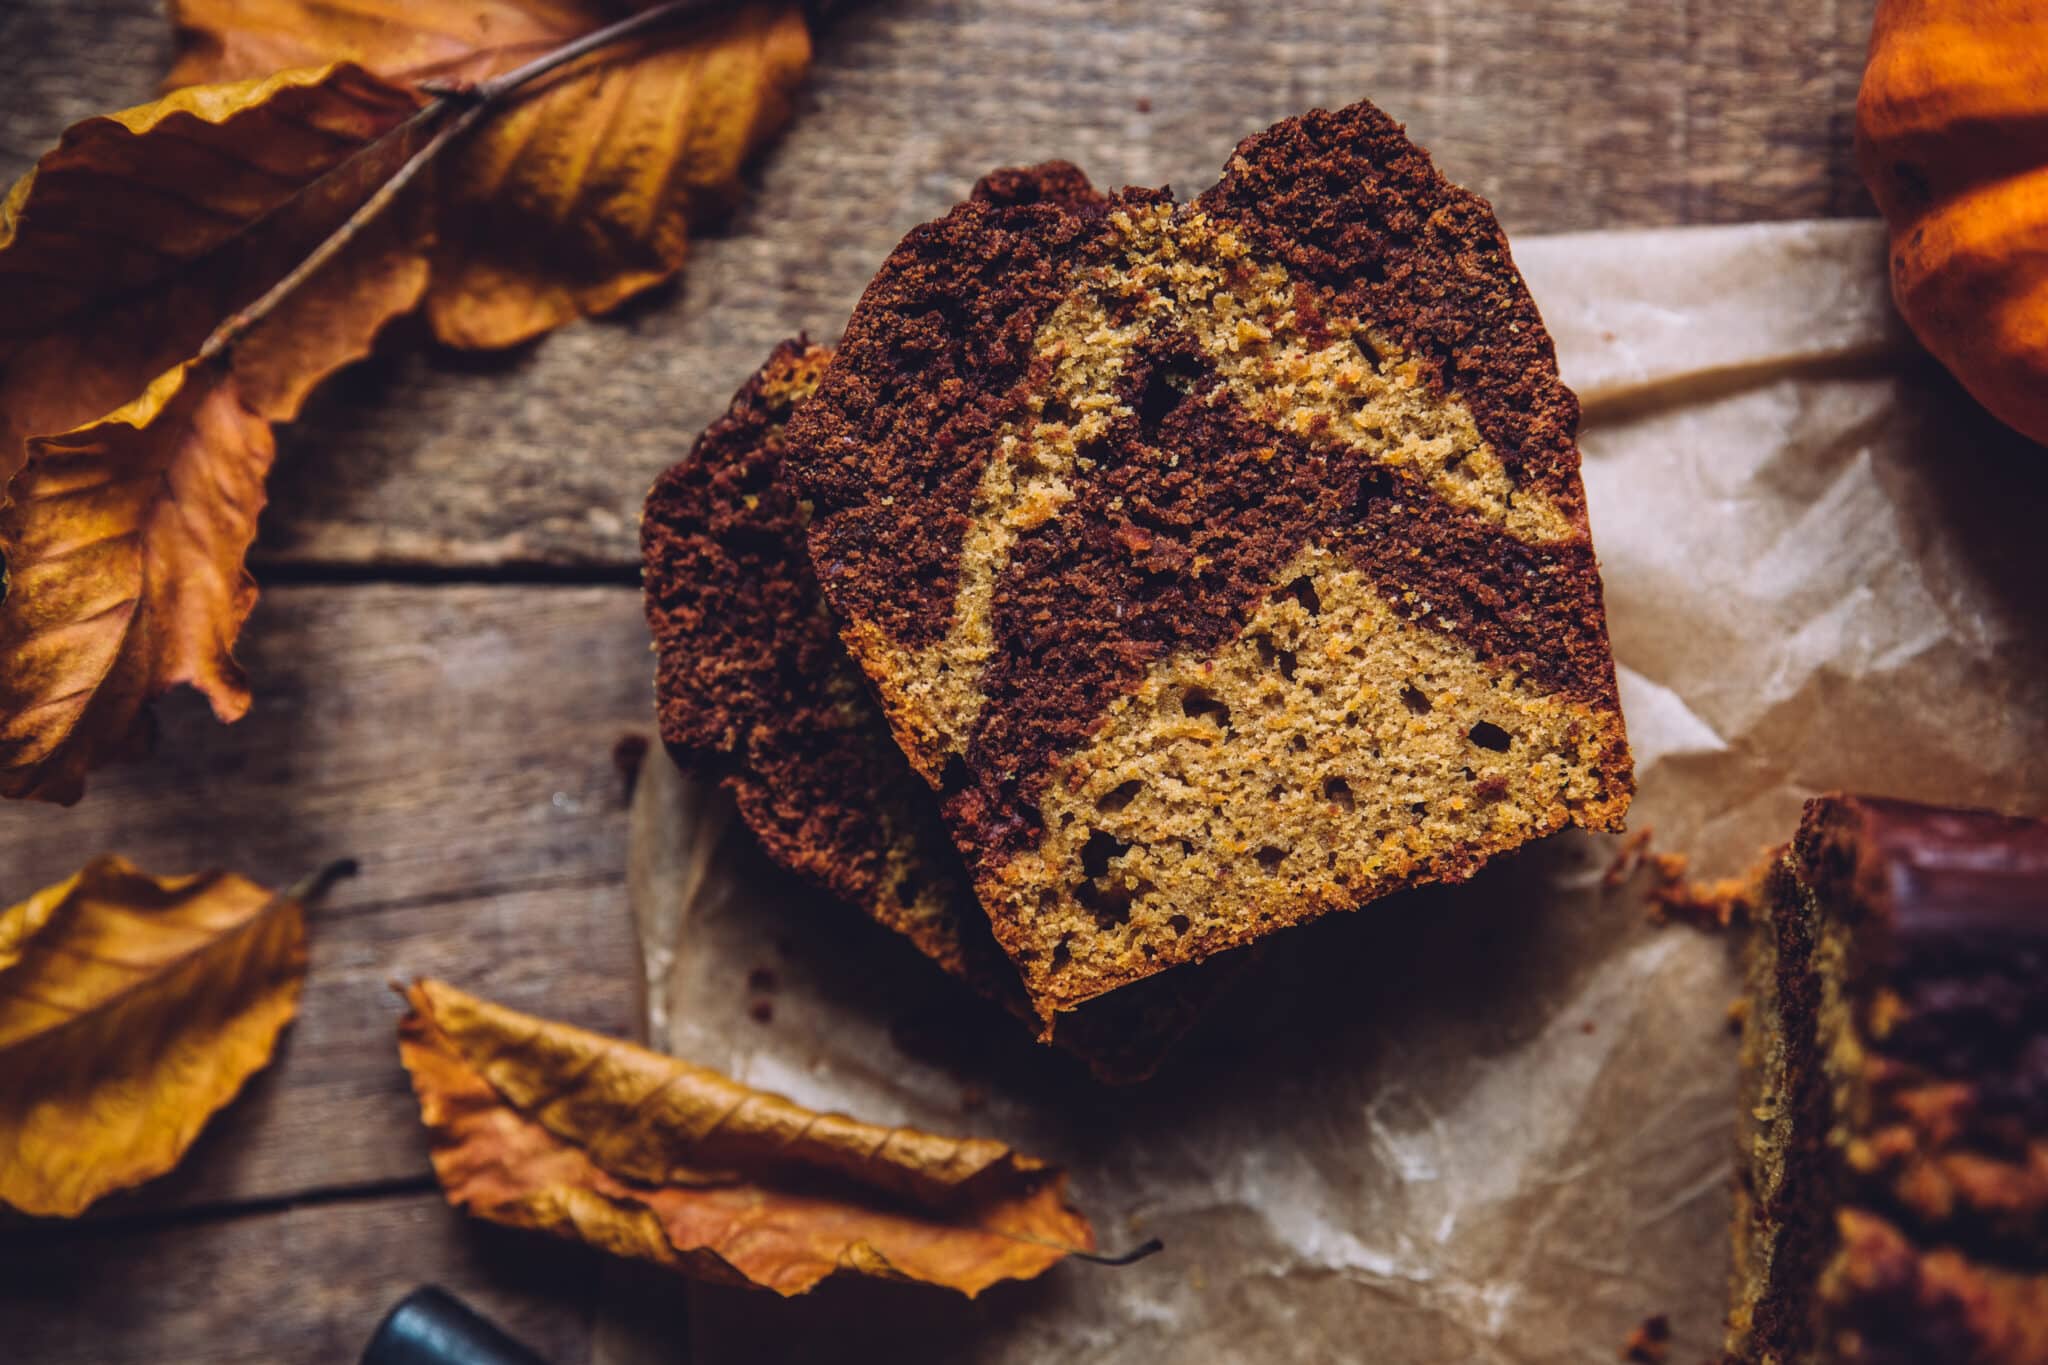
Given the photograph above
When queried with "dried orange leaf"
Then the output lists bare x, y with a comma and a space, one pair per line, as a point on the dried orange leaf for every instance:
541, 1125
133, 1008
139, 233
131, 492
124, 544
581, 192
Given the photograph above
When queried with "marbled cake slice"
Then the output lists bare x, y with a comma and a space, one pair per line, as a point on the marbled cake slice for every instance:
1221, 563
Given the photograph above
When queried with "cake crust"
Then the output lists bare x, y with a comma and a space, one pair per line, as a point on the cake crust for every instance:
1079, 453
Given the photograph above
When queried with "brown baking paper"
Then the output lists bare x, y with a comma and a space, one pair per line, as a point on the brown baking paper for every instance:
1493, 1122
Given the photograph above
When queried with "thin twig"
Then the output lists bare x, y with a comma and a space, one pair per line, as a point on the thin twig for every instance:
1137, 1253
474, 102
238, 324
1150, 1247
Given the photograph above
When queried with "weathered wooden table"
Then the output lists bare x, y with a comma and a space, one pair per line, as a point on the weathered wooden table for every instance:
449, 645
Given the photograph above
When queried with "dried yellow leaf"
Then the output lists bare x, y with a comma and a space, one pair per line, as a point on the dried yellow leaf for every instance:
131, 239
176, 282
124, 544
131, 1009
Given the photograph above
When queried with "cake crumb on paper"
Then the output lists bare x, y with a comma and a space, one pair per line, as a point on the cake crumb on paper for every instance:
1650, 1343
1627, 857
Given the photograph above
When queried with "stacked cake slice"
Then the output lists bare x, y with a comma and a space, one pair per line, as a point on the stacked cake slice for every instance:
1213, 565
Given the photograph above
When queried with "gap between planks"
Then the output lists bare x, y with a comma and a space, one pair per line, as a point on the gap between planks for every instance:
126, 1224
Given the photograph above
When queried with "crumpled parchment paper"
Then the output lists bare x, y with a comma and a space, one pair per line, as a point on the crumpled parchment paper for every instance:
1488, 1123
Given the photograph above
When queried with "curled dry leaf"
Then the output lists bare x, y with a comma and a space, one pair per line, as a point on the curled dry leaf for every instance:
131, 1009
579, 194
133, 474
124, 544
540, 1125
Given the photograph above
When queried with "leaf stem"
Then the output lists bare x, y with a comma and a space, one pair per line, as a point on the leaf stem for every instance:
474, 101
1137, 1253
237, 324
315, 884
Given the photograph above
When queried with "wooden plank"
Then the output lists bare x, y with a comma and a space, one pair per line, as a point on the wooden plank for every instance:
294, 1284
457, 741
1566, 113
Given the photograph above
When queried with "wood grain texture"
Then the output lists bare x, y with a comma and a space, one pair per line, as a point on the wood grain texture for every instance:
458, 742
1566, 113
297, 1284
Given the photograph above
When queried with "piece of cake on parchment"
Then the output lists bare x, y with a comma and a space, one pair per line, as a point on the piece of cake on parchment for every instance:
1892, 1194
1221, 563
753, 685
